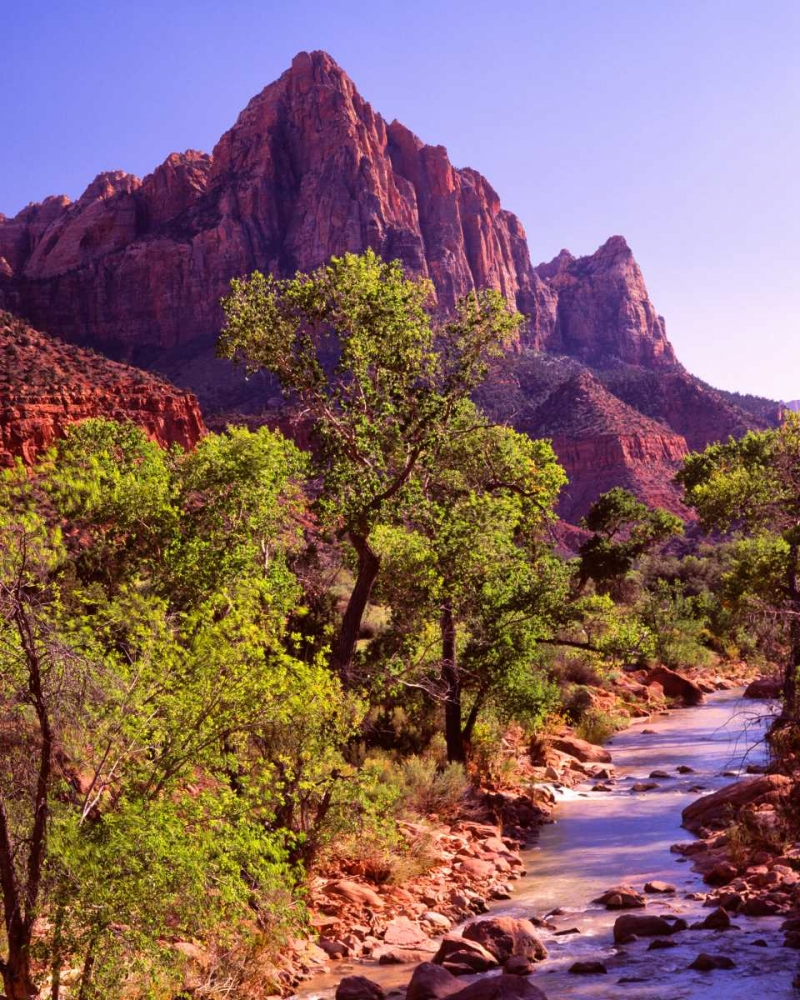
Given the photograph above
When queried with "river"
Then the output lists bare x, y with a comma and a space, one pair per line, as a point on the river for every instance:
599, 839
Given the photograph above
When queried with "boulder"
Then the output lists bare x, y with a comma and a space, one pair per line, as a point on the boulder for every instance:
519, 965
355, 893
721, 874
633, 925
502, 987
717, 808
588, 969
675, 685
587, 753
764, 687
717, 920
705, 963
659, 887
431, 982
358, 988
506, 936
406, 934
621, 897
462, 957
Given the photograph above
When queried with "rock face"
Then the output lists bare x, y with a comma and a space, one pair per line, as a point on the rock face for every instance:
602, 310
46, 385
718, 808
136, 268
602, 442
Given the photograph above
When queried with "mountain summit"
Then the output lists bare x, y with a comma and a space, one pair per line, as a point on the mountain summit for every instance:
136, 268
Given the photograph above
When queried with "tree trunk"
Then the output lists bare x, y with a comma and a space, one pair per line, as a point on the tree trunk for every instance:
369, 564
791, 709
452, 683
17, 980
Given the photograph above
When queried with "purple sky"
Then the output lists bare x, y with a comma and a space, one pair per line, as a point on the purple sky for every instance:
673, 122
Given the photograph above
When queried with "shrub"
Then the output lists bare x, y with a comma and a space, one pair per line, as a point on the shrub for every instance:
597, 726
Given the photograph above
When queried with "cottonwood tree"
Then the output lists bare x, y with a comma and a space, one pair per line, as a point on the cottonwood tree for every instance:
355, 346
623, 529
467, 554
753, 486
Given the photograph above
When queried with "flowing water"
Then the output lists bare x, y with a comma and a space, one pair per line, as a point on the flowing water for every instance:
600, 839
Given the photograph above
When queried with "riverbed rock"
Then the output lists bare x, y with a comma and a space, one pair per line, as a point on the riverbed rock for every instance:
719, 808
717, 920
706, 963
518, 965
764, 687
659, 887
463, 957
644, 786
586, 753
661, 943
502, 987
633, 925
621, 897
432, 982
358, 988
588, 968
506, 936
675, 685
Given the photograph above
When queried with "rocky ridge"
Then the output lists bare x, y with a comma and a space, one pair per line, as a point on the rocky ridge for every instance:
46, 384
136, 269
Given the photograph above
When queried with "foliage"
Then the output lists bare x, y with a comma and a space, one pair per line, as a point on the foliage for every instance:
623, 529
377, 379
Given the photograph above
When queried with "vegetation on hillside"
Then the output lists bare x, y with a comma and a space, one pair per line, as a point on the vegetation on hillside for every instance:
222, 669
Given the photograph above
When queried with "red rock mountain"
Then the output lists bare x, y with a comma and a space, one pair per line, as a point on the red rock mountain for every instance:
602, 442
46, 384
136, 268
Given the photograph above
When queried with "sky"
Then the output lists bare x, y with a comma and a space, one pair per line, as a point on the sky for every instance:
675, 123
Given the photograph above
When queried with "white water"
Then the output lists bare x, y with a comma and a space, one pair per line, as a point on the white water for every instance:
600, 839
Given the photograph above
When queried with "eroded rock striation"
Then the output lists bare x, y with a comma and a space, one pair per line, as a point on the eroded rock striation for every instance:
136, 268
45, 385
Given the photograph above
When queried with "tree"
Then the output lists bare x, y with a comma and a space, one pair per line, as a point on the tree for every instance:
164, 754
624, 529
753, 486
376, 376
466, 553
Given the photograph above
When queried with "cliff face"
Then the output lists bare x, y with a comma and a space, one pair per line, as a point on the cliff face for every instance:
309, 170
602, 442
603, 312
136, 268
46, 384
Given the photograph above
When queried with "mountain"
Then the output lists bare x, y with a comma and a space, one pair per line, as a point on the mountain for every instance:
136, 268
46, 384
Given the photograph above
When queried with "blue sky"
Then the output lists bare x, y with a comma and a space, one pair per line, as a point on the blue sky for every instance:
672, 122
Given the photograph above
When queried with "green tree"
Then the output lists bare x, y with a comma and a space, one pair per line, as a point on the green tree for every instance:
378, 379
753, 486
623, 529
467, 554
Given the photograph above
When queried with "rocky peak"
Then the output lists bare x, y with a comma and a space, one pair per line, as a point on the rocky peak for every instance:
603, 312
108, 184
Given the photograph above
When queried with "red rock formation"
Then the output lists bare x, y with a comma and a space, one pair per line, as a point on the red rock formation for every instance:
309, 169
603, 312
601, 443
46, 384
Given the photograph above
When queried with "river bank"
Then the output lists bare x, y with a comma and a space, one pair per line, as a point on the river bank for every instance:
608, 831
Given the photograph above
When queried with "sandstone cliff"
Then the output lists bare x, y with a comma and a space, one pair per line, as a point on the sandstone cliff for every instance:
136, 268
602, 442
46, 384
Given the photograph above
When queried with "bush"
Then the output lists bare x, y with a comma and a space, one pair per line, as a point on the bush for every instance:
597, 726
